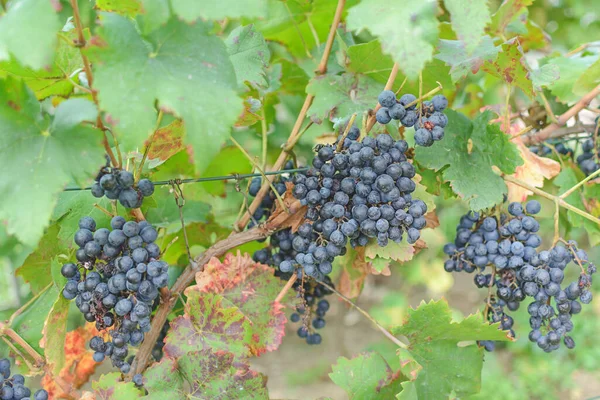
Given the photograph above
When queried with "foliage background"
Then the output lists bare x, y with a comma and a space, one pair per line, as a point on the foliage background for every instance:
548, 28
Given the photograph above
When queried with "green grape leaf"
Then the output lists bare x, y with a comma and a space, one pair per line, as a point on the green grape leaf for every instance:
339, 96
191, 10
369, 60
505, 14
454, 54
32, 44
172, 65
588, 80
36, 269
251, 287
469, 19
400, 252
162, 378
30, 323
55, 332
110, 387
209, 322
74, 205
571, 69
407, 31
443, 366
367, 376
510, 66
249, 54
217, 375
470, 150
166, 213
544, 76
566, 180
125, 7
43, 155
154, 14
229, 161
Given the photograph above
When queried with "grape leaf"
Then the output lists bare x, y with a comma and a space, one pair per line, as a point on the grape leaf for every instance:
251, 287
570, 71
469, 170
154, 13
162, 378
511, 67
407, 30
505, 14
125, 7
54, 334
369, 60
367, 376
453, 53
469, 19
249, 54
30, 323
566, 180
191, 10
400, 252
444, 367
110, 387
229, 161
588, 80
544, 76
36, 269
32, 44
355, 270
48, 154
166, 213
338, 96
209, 323
173, 65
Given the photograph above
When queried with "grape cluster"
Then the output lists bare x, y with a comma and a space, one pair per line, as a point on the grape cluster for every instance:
116, 283
353, 195
589, 160
508, 244
119, 184
13, 388
313, 309
543, 150
429, 121
157, 350
263, 212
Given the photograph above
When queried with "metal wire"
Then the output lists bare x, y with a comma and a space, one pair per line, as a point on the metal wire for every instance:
210, 178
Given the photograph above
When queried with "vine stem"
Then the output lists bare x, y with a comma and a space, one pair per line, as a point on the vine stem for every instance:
280, 221
6, 330
551, 197
88, 72
387, 333
346, 131
295, 133
548, 131
285, 289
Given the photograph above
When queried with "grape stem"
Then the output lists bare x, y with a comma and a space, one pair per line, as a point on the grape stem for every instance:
346, 131
295, 133
277, 222
255, 164
388, 86
80, 43
387, 333
6, 330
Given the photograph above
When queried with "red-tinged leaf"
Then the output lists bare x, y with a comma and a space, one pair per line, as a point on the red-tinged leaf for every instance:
209, 322
163, 378
168, 141
511, 67
54, 334
251, 287
354, 272
77, 367
533, 171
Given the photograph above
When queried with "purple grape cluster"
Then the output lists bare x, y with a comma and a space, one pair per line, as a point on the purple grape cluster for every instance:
429, 121
119, 184
589, 160
13, 387
263, 212
508, 245
115, 283
359, 193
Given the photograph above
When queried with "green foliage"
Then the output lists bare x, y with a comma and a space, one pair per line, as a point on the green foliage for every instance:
469, 19
469, 151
